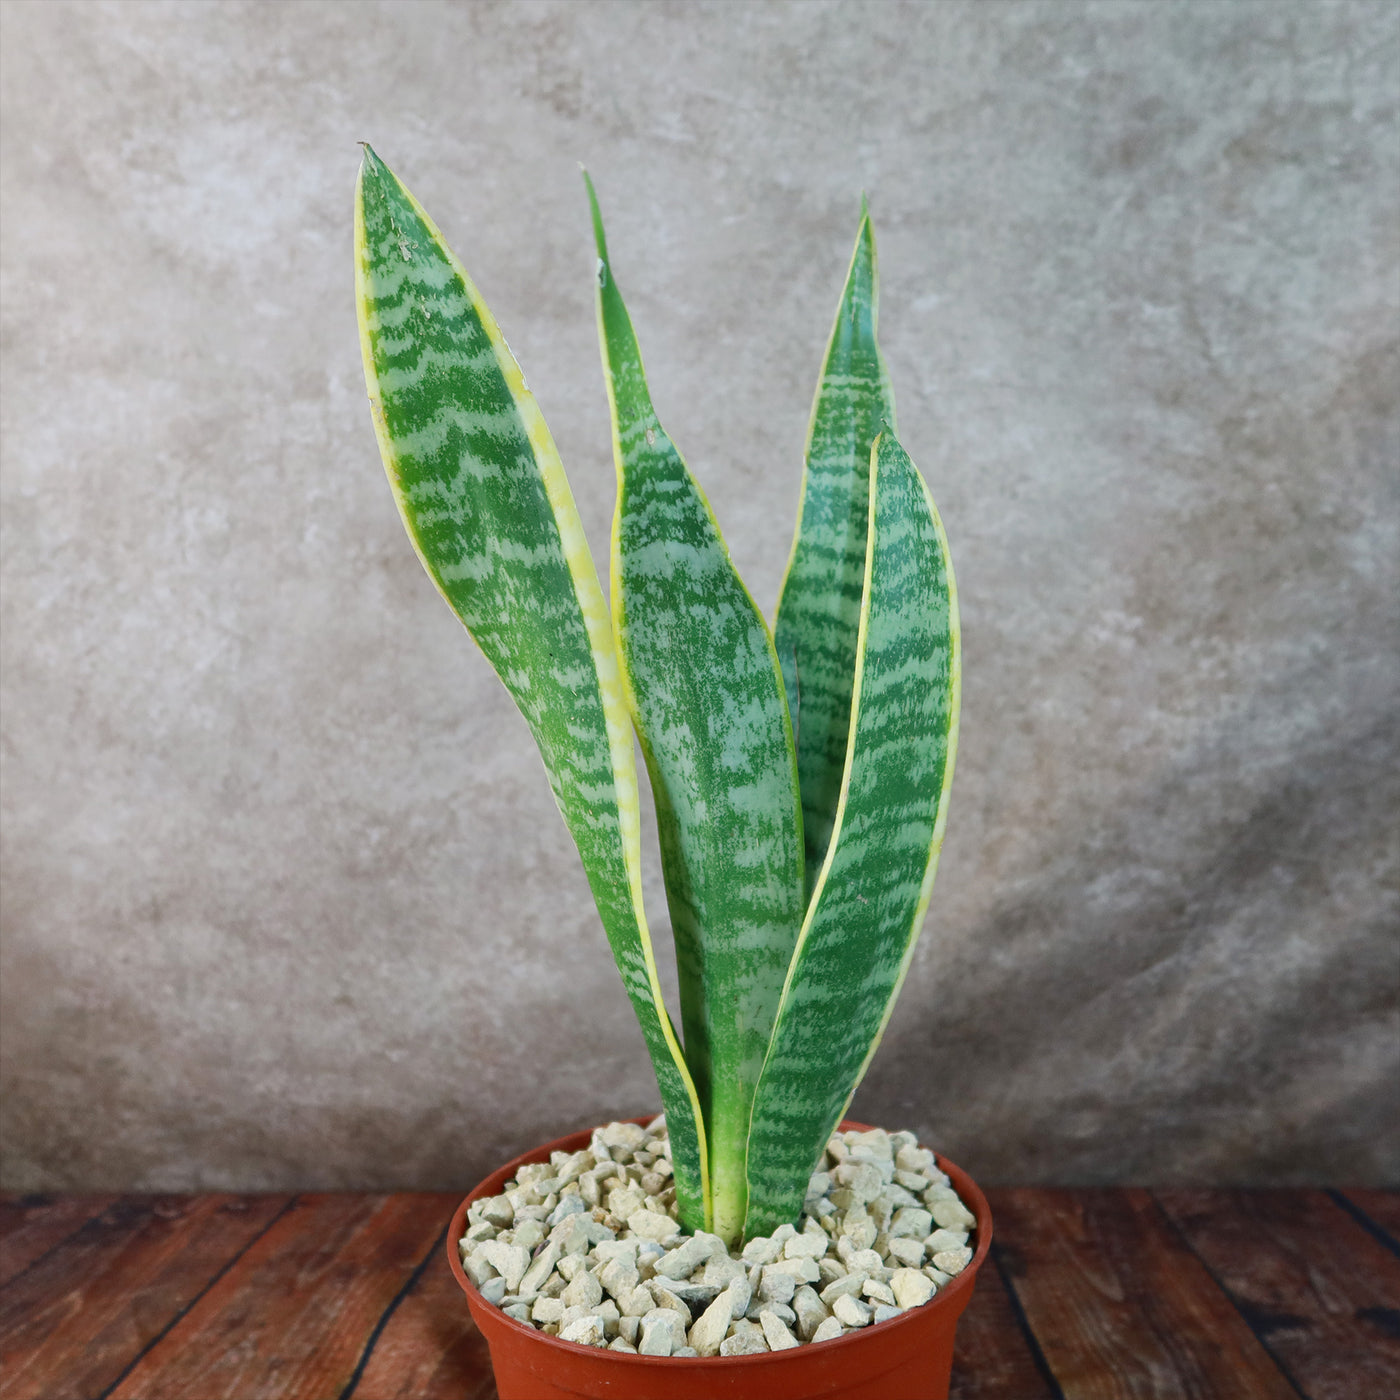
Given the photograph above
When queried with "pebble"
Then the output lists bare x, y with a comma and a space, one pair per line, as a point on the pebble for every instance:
945, 1239
869, 1261
861, 1179
663, 1331
623, 1201
497, 1211
801, 1268
911, 1222
682, 1261
587, 1248
858, 1227
640, 1301
777, 1285
584, 1291
651, 1226
952, 1261
806, 1246
741, 1291
628, 1135
665, 1298
696, 1296
809, 1310
914, 1159
907, 1251
618, 1279
713, 1326
851, 1284
570, 1205
655, 1338
722, 1271
546, 1309
953, 1215
911, 1289
775, 1331
763, 1250
743, 1344
777, 1309
850, 1310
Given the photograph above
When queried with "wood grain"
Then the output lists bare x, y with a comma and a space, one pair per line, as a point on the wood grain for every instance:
30, 1226
291, 1319
1190, 1295
86, 1310
1381, 1208
992, 1357
1316, 1287
1121, 1307
429, 1349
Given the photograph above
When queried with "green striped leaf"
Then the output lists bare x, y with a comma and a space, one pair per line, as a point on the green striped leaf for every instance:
488, 508
874, 885
709, 706
819, 605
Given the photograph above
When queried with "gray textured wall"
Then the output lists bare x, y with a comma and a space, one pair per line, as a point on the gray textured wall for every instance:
286, 900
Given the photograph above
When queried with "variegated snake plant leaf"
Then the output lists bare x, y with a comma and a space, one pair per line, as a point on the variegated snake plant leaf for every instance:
711, 713
874, 885
819, 604
484, 498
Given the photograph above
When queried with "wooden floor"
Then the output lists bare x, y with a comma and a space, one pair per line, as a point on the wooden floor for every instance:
1089, 1295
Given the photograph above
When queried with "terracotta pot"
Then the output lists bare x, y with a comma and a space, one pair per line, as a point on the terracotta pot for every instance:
909, 1357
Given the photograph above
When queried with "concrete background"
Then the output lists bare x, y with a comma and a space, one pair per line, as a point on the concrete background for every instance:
286, 900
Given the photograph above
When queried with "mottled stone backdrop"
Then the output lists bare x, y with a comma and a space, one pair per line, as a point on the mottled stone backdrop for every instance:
286, 898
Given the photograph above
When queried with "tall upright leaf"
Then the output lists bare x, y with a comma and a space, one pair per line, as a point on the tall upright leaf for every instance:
874, 885
488, 508
710, 711
819, 606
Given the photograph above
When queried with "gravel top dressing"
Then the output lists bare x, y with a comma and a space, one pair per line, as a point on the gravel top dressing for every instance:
586, 1247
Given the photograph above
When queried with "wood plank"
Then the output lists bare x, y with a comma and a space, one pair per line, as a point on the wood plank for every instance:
992, 1357
430, 1348
1121, 1307
1381, 1208
30, 1226
71, 1324
291, 1319
1322, 1293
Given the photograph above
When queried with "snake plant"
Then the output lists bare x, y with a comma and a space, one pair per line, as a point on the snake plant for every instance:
801, 773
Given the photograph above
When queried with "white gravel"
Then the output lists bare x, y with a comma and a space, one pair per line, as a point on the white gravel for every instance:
586, 1247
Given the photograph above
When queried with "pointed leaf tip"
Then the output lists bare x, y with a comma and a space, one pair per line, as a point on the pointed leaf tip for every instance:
865, 234
597, 215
